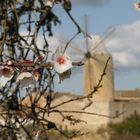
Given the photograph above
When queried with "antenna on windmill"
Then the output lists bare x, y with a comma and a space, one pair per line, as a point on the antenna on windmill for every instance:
86, 19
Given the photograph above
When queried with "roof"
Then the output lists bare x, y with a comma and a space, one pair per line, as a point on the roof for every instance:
127, 94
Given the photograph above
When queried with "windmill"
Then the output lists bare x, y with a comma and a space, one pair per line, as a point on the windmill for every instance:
94, 56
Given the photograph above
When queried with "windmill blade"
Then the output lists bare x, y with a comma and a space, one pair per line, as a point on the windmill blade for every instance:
73, 45
76, 49
76, 57
75, 53
86, 19
103, 39
101, 49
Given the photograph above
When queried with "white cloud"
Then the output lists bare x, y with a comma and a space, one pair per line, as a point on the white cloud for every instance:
124, 45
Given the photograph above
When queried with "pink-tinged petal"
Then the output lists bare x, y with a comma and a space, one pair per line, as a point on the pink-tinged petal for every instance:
36, 74
60, 60
5, 71
40, 57
6, 74
9, 62
50, 3
137, 6
26, 79
62, 63
23, 75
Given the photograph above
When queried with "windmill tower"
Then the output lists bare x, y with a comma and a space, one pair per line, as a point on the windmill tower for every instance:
93, 69
94, 63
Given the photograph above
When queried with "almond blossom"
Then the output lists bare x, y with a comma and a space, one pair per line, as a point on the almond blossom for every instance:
6, 74
25, 79
137, 6
62, 63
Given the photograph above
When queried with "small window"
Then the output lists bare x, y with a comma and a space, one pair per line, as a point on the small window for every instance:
60, 127
135, 112
66, 128
117, 113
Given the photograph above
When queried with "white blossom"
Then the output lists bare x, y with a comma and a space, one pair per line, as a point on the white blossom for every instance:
6, 74
26, 79
62, 63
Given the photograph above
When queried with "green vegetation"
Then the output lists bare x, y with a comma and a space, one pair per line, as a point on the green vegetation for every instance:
129, 129
130, 126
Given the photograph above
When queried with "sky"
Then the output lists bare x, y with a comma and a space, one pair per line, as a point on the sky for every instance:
123, 44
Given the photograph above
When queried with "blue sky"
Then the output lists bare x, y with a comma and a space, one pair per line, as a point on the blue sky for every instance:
124, 44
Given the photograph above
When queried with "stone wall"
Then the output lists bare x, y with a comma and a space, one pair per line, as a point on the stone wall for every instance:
123, 109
